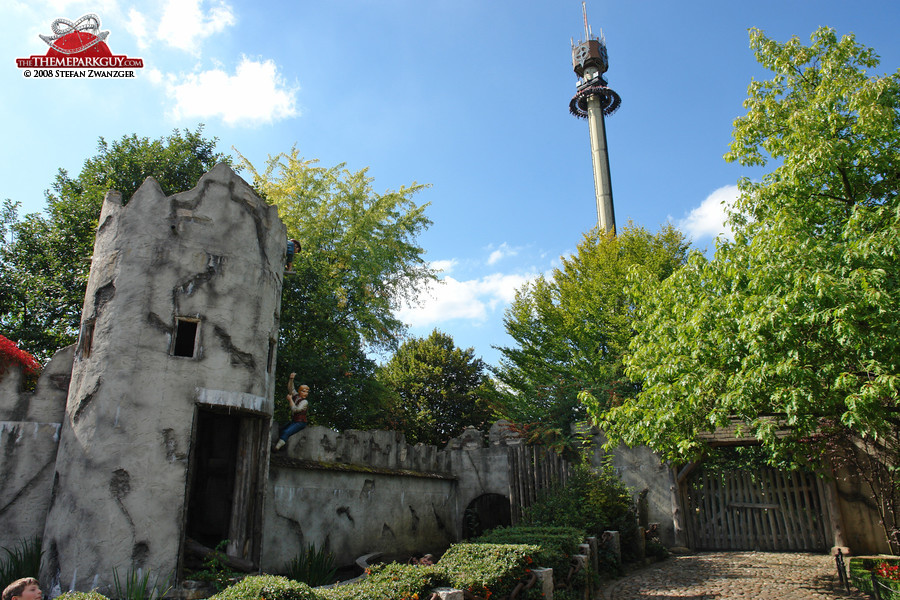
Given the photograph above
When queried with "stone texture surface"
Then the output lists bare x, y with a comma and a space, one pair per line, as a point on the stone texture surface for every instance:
357, 492
354, 513
732, 576
47, 403
29, 436
213, 254
642, 471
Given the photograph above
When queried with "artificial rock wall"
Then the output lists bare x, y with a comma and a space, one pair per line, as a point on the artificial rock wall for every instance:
650, 480
358, 492
29, 434
180, 314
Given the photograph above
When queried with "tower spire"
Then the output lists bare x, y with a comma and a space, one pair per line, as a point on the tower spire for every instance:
594, 100
587, 33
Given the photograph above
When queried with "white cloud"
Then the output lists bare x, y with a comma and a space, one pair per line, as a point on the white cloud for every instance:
501, 252
708, 219
444, 266
255, 94
136, 25
474, 300
154, 75
185, 24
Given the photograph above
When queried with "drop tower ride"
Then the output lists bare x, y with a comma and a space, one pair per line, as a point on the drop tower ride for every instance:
594, 100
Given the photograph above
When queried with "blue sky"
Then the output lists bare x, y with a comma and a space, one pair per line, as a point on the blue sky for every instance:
469, 96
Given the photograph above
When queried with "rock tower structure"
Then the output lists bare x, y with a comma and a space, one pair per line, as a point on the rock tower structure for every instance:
166, 429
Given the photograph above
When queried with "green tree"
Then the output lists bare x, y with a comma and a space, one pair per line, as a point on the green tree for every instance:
572, 328
437, 389
359, 263
45, 258
794, 328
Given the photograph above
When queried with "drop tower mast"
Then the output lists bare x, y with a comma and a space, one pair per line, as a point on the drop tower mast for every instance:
594, 101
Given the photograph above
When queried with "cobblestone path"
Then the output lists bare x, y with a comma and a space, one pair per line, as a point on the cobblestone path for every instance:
733, 576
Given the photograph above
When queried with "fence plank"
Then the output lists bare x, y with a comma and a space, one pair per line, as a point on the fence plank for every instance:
731, 514
768, 497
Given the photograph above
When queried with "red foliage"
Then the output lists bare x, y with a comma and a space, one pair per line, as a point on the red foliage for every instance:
10, 354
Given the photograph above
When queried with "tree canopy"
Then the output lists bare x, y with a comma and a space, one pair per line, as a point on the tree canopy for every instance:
572, 328
795, 326
359, 262
437, 389
45, 258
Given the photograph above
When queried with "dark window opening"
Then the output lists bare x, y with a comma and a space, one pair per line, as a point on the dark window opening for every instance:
86, 339
185, 342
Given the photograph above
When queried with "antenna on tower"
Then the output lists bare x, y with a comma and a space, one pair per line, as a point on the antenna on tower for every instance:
587, 32
594, 100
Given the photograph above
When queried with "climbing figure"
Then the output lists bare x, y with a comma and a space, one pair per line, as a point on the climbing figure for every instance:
297, 401
293, 248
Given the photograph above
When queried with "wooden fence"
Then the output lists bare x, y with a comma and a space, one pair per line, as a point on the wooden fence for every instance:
762, 509
531, 469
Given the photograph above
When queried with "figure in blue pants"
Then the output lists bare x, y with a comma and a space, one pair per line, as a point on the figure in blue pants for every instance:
297, 401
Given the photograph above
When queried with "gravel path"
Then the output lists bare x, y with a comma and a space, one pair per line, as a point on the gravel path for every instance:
733, 576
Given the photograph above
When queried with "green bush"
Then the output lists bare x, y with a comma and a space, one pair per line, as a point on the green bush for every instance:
215, 570
312, 567
82, 596
391, 581
860, 573
483, 568
477, 568
22, 561
266, 587
656, 549
592, 501
557, 544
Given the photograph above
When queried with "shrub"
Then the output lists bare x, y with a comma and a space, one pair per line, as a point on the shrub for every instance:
480, 569
312, 567
590, 501
267, 587
22, 561
656, 549
391, 581
556, 544
10, 355
886, 571
887, 575
215, 570
82, 596
487, 569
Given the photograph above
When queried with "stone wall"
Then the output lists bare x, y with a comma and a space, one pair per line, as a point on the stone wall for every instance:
358, 492
860, 523
645, 474
29, 436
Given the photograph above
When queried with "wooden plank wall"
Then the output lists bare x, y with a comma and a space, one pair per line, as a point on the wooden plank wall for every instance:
531, 469
764, 509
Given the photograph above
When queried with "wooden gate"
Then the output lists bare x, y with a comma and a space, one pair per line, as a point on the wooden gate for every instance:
761, 509
531, 469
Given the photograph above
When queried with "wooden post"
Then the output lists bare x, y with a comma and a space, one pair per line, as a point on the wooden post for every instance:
677, 508
835, 522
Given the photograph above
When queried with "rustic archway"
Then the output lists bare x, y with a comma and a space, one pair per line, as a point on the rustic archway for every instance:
484, 513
